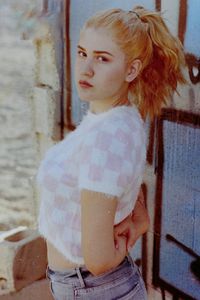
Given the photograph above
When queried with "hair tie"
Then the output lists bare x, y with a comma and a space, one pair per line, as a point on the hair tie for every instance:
132, 11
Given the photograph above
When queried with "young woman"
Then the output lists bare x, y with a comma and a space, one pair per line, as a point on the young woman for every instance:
127, 66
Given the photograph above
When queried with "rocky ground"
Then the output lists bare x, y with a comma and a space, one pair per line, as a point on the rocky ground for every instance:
18, 157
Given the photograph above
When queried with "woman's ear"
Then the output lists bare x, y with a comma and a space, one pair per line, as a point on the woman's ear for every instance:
133, 70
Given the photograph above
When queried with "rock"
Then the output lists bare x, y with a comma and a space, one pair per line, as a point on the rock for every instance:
23, 260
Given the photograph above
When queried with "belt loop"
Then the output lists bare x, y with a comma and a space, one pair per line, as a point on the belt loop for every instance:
48, 271
80, 277
130, 259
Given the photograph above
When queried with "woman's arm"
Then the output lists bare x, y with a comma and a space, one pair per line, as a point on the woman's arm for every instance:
135, 224
97, 226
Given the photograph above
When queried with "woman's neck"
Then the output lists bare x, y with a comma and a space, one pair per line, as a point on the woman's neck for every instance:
100, 106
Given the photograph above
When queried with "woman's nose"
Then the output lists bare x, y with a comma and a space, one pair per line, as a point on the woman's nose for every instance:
87, 68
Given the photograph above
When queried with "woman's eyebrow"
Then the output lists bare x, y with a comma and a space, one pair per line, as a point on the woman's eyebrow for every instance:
96, 51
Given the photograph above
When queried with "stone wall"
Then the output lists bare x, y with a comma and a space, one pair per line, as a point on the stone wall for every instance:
30, 54
30, 91
18, 156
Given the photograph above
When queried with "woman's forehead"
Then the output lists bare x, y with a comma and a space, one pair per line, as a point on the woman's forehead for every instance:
98, 40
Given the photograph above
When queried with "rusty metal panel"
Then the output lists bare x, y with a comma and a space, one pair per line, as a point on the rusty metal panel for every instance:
177, 240
189, 27
192, 41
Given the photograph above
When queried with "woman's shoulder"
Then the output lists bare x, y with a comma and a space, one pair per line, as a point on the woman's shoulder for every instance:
126, 118
120, 123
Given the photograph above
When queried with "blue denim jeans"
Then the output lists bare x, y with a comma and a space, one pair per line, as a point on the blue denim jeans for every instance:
123, 282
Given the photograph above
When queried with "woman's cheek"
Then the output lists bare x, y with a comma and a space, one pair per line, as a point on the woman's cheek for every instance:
115, 78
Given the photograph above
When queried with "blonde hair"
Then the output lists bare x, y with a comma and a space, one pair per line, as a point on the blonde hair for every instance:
142, 34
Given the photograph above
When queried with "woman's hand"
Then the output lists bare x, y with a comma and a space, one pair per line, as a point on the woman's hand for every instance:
127, 230
134, 225
121, 245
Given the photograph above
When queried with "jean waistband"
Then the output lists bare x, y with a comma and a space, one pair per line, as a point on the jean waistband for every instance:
81, 272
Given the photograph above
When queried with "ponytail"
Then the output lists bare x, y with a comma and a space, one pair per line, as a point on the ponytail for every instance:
162, 73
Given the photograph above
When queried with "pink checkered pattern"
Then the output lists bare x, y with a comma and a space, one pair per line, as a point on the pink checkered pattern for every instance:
106, 153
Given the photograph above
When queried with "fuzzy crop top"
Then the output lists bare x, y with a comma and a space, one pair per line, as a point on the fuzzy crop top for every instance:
106, 153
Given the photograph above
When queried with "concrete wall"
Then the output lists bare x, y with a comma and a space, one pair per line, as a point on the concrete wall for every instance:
31, 88
31, 54
18, 154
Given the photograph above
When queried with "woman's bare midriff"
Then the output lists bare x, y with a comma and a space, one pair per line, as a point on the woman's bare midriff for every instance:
57, 261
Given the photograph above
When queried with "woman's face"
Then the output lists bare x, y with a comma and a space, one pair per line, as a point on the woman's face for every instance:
100, 69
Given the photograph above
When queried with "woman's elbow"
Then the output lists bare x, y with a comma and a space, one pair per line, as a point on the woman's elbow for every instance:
96, 267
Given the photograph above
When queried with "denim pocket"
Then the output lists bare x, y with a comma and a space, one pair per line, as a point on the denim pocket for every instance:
114, 287
137, 293
58, 290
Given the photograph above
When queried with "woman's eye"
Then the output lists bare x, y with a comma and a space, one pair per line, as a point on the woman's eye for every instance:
102, 58
81, 53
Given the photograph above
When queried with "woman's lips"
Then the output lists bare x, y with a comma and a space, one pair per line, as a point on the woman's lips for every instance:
85, 84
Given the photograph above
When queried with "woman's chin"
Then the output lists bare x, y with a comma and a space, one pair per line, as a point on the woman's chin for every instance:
84, 98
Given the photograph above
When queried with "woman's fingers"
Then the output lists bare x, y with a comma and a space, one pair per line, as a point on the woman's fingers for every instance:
127, 229
120, 244
132, 238
123, 230
123, 226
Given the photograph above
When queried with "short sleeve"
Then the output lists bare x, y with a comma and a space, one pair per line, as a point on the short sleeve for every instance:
110, 159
